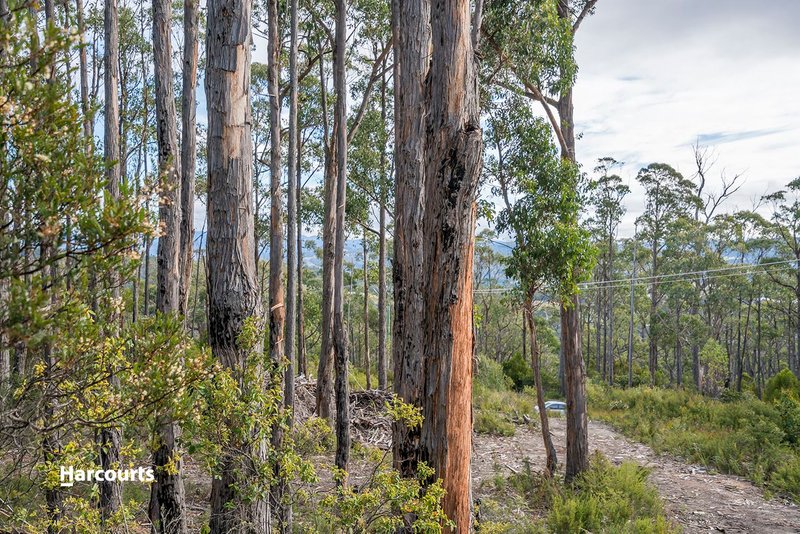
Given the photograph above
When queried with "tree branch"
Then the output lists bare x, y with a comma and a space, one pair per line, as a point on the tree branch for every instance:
377, 70
587, 8
536, 94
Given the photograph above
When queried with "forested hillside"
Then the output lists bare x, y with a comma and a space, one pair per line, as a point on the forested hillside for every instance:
293, 266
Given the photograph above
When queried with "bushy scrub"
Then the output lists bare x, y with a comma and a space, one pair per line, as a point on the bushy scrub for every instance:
489, 374
609, 499
781, 385
604, 498
314, 436
497, 404
491, 422
384, 502
519, 371
744, 436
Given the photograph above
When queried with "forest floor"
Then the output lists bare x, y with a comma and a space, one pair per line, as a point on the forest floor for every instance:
695, 498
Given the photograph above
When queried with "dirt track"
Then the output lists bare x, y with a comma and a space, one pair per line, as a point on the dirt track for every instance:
693, 498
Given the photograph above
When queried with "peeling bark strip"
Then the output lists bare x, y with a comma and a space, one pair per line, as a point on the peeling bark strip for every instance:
439, 152
232, 286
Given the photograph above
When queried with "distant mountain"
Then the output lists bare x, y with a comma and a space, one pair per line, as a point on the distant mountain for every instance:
352, 249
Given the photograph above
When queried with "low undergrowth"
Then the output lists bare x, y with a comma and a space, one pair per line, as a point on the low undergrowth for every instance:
744, 436
603, 499
498, 406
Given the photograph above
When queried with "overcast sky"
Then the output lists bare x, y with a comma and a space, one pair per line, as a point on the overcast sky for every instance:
656, 75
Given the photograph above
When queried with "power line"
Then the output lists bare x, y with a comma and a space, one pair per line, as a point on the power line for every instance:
703, 273
693, 279
688, 276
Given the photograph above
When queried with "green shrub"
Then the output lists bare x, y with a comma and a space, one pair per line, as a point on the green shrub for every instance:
789, 410
490, 375
519, 371
786, 479
313, 436
609, 499
782, 384
747, 437
490, 422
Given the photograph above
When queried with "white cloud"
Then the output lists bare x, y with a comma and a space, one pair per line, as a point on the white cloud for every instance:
656, 75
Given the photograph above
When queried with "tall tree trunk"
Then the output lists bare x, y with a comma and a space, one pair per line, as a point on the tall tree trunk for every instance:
110, 437
167, 507
145, 141
412, 35
524, 336
610, 308
577, 424
795, 359
340, 347
54, 496
84, 75
191, 11
233, 294
285, 509
759, 364
651, 337
575, 376
552, 459
382, 363
439, 153
292, 197
366, 310
326, 359
598, 333
302, 364
678, 348
277, 310
6, 221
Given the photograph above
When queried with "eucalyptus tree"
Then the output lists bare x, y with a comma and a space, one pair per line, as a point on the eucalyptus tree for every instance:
335, 190
540, 194
110, 436
293, 268
234, 299
371, 184
710, 200
607, 194
191, 45
785, 230
438, 158
669, 197
167, 507
531, 52
277, 311
674, 321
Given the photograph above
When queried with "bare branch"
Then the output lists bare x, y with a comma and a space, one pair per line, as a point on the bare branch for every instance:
587, 8
477, 21
377, 71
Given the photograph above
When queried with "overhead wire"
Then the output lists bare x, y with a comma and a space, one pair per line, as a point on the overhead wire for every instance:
742, 269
